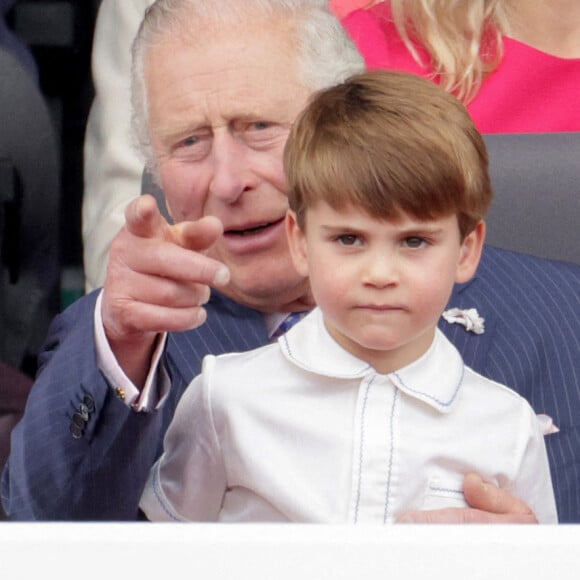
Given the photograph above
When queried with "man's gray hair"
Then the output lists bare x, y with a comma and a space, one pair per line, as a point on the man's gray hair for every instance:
326, 55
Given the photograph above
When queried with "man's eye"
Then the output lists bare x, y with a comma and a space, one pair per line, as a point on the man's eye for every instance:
263, 135
259, 125
192, 148
189, 141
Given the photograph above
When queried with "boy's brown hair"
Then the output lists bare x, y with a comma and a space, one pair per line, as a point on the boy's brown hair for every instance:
389, 142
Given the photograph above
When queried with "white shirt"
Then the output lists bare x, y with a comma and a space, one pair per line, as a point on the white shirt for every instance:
303, 431
158, 383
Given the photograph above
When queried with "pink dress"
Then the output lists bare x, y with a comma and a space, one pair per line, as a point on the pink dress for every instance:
342, 7
530, 91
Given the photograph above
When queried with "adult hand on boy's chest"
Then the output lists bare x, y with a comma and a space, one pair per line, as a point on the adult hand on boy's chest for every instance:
489, 505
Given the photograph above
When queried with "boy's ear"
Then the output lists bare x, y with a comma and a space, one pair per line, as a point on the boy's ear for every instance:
296, 243
470, 253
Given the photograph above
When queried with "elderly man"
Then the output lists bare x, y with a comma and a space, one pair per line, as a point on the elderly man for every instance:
217, 86
113, 168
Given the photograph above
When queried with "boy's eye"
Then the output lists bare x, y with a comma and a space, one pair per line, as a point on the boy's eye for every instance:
347, 239
415, 242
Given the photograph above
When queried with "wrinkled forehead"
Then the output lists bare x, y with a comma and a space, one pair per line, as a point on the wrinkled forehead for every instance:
248, 33
251, 73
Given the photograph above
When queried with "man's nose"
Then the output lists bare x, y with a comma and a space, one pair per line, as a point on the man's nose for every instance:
231, 172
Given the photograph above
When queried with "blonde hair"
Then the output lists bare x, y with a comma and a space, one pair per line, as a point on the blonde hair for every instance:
388, 142
462, 37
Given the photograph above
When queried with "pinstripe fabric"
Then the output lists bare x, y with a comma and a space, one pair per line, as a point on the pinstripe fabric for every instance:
531, 343
52, 476
231, 328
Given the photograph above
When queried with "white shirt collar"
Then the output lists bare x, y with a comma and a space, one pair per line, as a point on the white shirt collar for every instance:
435, 378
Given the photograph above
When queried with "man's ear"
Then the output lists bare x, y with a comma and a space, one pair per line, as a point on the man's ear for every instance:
296, 243
470, 253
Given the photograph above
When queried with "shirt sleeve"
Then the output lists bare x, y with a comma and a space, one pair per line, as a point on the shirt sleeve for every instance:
533, 484
188, 482
157, 385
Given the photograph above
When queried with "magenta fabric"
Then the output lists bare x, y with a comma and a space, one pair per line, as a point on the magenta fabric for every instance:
530, 91
343, 7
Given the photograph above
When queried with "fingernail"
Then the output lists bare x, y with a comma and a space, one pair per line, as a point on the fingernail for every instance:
222, 276
207, 296
138, 209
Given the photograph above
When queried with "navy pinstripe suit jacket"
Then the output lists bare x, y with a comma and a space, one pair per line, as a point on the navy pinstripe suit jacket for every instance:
531, 343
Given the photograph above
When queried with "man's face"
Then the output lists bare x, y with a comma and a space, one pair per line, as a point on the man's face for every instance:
220, 111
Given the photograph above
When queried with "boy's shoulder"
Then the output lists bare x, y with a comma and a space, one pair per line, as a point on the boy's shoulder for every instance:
493, 398
478, 390
240, 363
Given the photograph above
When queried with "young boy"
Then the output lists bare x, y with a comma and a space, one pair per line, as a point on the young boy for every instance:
363, 410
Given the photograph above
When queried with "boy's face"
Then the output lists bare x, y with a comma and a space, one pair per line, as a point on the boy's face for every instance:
382, 285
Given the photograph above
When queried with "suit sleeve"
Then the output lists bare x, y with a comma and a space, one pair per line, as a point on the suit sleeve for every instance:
531, 344
79, 453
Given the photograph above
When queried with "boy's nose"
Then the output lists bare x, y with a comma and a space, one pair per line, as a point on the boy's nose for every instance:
381, 270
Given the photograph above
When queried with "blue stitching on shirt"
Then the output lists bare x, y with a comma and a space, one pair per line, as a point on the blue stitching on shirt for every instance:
446, 490
157, 492
392, 451
284, 338
302, 364
428, 396
362, 438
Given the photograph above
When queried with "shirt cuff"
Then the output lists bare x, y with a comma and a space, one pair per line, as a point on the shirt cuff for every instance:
157, 384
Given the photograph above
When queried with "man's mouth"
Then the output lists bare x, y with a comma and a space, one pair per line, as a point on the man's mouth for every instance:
251, 231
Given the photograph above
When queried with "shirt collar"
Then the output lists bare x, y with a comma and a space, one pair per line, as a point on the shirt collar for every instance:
273, 321
435, 378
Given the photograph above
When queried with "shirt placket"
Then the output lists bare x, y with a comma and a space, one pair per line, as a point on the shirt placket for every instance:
375, 464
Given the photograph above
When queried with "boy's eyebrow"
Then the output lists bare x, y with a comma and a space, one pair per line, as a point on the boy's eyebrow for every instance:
411, 229
342, 227
422, 228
